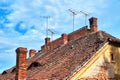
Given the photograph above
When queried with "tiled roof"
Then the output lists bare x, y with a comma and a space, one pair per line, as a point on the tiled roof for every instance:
61, 62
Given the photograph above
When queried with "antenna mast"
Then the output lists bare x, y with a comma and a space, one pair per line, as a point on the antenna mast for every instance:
73, 14
85, 14
47, 20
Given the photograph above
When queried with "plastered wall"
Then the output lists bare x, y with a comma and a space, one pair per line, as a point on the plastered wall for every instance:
102, 66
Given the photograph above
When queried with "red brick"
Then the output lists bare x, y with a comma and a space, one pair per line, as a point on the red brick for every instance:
21, 63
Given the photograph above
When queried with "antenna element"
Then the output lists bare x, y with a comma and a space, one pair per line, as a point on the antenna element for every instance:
73, 14
85, 14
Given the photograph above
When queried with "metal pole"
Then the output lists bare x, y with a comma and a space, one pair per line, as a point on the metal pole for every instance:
73, 14
47, 20
46, 26
85, 19
85, 14
73, 21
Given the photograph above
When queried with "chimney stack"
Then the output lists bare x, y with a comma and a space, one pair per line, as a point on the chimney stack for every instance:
93, 24
21, 73
32, 52
64, 38
47, 41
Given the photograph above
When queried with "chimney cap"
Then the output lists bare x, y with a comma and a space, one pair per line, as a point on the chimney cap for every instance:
21, 49
64, 34
93, 18
47, 38
32, 50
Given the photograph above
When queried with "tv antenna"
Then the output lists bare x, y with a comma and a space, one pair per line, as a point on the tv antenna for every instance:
85, 14
47, 20
52, 32
73, 14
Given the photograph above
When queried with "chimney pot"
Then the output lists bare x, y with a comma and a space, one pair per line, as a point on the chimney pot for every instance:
21, 63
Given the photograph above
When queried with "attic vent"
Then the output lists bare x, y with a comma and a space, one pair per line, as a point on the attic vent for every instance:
34, 64
112, 56
4, 72
14, 70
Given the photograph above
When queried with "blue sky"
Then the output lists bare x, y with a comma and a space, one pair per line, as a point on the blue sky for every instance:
21, 23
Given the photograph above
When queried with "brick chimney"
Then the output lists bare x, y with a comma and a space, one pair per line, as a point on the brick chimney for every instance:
64, 38
43, 48
47, 41
21, 63
93, 24
32, 52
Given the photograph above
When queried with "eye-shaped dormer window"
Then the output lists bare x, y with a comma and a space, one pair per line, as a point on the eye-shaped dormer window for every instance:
4, 72
34, 64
